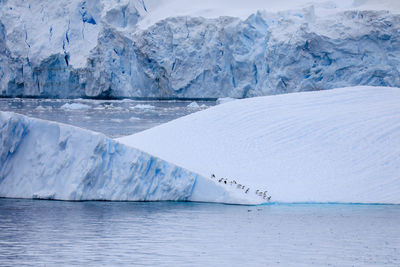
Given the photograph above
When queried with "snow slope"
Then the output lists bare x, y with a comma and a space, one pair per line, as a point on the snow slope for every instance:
46, 160
341, 145
195, 49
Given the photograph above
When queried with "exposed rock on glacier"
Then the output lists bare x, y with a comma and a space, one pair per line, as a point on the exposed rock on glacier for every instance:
340, 145
96, 49
46, 160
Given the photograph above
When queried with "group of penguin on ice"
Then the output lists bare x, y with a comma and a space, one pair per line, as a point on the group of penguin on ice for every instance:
259, 193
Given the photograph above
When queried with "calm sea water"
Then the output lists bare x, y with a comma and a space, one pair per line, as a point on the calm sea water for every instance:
56, 233
114, 118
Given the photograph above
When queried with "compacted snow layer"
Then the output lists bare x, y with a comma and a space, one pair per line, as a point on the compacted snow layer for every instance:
46, 160
340, 145
177, 48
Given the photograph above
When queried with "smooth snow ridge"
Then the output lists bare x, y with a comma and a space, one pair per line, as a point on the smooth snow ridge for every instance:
46, 160
340, 145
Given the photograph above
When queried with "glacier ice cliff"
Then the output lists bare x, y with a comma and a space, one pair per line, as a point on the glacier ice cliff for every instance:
46, 160
95, 49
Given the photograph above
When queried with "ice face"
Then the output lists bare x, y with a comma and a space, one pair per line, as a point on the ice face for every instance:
92, 49
47, 160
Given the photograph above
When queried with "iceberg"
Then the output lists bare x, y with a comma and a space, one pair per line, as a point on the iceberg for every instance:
46, 160
338, 146
74, 106
134, 48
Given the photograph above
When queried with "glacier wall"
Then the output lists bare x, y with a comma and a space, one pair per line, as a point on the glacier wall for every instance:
95, 49
46, 160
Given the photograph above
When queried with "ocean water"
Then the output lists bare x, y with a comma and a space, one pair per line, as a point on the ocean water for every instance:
115, 118
57, 233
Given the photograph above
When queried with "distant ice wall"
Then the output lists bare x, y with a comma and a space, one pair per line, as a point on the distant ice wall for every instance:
95, 49
46, 160
272, 53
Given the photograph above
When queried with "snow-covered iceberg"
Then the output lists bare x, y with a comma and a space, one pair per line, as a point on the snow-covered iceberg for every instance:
47, 160
341, 145
122, 49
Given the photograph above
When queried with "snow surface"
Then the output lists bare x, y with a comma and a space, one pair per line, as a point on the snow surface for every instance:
195, 49
340, 145
162, 9
47, 160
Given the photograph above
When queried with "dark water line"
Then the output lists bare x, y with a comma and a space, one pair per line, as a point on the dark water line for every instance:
205, 99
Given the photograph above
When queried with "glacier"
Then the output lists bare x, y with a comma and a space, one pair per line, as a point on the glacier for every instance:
137, 48
47, 160
339, 145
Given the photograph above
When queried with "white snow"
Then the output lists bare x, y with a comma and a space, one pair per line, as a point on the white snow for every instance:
339, 145
162, 9
75, 106
47, 160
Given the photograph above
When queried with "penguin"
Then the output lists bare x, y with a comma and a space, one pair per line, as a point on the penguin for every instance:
212, 176
225, 181
220, 180
234, 182
265, 194
242, 187
247, 190
269, 198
